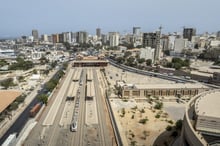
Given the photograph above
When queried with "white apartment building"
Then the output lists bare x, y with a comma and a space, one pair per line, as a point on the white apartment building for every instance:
171, 42
147, 53
44, 38
215, 43
180, 44
114, 39
36, 55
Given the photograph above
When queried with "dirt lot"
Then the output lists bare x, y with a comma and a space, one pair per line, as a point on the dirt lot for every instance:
132, 115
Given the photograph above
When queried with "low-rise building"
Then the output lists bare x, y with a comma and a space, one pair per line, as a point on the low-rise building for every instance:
178, 89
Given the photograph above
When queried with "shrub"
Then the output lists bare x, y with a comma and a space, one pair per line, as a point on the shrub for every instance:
169, 128
134, 108
174, 134
157, 116
158, 105
143, 121
123, 112
178, 124
142, 111
170, 121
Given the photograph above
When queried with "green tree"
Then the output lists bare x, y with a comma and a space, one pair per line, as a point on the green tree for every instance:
169, 128
158, 105
3, 62
34, 71
127, 54
196, 46
177, 66
21, 64
43, 98
43, 60
7, 83
186, 63
179, 124
50, 85
67, 45
166, 52
176, 60
148, 62
141, 60
65, 65
120, 60
54, 64
21, 78
130, 61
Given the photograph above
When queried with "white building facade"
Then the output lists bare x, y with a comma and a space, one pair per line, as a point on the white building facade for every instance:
113, 39
147, 53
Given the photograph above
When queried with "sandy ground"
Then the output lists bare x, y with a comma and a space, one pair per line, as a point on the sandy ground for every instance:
114, 74
204, 66
131, 130
135, 132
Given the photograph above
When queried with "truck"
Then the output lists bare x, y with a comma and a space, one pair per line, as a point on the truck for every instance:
34, 110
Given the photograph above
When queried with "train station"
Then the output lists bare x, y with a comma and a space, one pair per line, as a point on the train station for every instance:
162, 90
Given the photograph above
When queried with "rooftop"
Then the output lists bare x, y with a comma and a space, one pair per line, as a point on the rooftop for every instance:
170, 86
208, 105
7, 97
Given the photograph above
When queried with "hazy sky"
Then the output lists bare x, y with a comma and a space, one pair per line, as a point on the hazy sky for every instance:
19, 17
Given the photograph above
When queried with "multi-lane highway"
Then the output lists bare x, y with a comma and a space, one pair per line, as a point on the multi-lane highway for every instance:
93, 123
149, 73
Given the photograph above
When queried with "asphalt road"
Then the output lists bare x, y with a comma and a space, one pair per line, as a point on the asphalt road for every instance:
94, 134
20, 122
22, 119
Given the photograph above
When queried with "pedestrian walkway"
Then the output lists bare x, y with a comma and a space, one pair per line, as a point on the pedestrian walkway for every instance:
67, 114
25, 132
49, 120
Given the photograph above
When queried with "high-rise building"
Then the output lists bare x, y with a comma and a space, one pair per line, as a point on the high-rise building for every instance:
152, 40
104, 39
55, 38
218, 35
61, 38
67, 37
165, 42
188, 33
180, 44
113, 39
136, 31
35, 34
44, 38
98, 33
82, 37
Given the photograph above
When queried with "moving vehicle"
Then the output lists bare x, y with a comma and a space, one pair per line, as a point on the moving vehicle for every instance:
35, 109
11, 140
73, 126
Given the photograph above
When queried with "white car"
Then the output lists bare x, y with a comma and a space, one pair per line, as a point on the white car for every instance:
73, 127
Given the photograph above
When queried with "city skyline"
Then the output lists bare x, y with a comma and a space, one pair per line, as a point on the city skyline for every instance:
20, 17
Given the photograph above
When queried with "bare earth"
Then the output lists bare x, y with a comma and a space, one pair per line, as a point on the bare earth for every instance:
133, 131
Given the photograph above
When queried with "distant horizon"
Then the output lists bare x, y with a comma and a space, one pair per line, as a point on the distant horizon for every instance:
53, 16
124, 32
